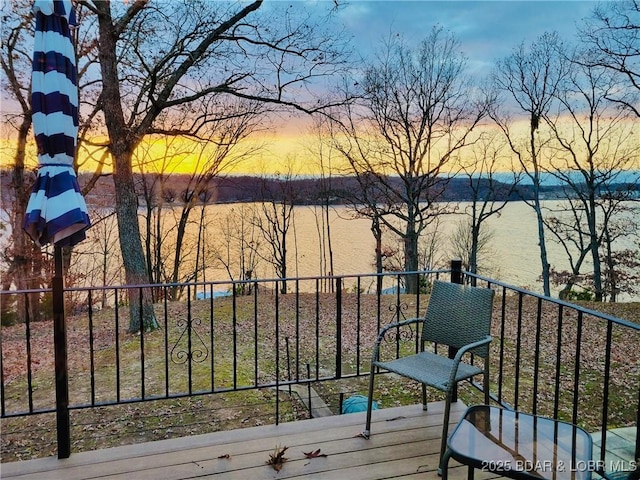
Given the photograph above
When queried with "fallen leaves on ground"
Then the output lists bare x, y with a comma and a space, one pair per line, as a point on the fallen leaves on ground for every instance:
277, 458
315, 454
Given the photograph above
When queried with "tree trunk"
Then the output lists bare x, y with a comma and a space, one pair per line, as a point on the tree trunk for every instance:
25, 258
157, 250
473, 254
412, 282
611, 268
546, 268
200, 248
377, 234
283, 264
141, 313
595, 249
180, 236
122, 144
329, 244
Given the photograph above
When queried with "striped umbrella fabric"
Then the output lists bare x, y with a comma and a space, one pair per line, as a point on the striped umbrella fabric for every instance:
56, 212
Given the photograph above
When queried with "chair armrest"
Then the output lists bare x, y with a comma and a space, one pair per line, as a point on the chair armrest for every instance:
471, 346
458, 358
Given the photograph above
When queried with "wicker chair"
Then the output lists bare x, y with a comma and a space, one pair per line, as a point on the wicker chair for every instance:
457, 316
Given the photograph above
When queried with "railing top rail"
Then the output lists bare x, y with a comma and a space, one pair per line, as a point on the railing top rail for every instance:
234, 282
588, 311
22, 292
491, 281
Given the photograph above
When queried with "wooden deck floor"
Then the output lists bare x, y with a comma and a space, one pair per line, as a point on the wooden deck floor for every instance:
404, 444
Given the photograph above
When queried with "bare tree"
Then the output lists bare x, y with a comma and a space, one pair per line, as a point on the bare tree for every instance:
431, 254
417, 111
217, 150
279, 197
98, 259
363, 201
155, 188
488, 196
366, 200
622, 265
471, 245
23, 258
206, 197
322, 151
612, 35
169, 56
530, 77
596, 146
239, 244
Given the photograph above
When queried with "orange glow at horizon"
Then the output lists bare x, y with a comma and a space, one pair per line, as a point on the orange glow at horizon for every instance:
282, 150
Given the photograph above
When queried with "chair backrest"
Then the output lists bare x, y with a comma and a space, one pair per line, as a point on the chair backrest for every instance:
458, 315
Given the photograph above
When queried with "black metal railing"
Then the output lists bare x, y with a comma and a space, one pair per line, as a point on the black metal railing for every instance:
565, 361
548, 357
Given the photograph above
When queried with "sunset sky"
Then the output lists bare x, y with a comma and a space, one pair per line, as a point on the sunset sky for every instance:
487, 30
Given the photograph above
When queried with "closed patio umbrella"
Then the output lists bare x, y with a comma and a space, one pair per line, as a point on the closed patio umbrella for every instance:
56, 212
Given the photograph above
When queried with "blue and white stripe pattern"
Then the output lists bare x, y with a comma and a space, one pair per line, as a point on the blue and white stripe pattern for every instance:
57, 211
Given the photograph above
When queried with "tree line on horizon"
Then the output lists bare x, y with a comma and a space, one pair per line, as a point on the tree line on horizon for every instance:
313, 191
214, 72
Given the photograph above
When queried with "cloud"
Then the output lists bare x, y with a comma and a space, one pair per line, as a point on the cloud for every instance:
487, 30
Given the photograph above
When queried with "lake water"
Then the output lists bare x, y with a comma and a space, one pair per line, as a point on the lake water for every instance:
514, 256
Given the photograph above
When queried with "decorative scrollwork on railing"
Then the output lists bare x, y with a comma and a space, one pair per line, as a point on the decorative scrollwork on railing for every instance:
398, 315
190, 345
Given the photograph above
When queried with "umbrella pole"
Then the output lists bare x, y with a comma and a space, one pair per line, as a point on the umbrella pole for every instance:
60, 345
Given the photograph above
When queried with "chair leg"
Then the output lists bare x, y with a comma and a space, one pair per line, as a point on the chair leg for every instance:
445, 431
424, 397
486, 386
443, 471
367, 428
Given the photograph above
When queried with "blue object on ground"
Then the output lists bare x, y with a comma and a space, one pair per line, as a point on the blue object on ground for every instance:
208, 294
357, 403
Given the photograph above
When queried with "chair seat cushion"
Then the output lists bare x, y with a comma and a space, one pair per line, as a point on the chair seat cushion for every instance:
429, 368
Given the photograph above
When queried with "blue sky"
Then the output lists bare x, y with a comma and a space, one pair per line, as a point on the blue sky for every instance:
487, 30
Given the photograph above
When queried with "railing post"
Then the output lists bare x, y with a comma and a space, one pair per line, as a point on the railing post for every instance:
456, 277
456, 271
60, 352
338, 327
637, 453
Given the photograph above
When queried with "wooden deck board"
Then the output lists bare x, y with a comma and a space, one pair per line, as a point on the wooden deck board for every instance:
404, 444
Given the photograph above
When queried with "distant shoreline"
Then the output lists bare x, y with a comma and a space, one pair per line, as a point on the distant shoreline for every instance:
323, 191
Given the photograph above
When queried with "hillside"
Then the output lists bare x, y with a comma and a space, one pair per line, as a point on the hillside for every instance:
303, 191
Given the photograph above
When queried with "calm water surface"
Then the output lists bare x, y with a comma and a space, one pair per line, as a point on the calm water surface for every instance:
514, 255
